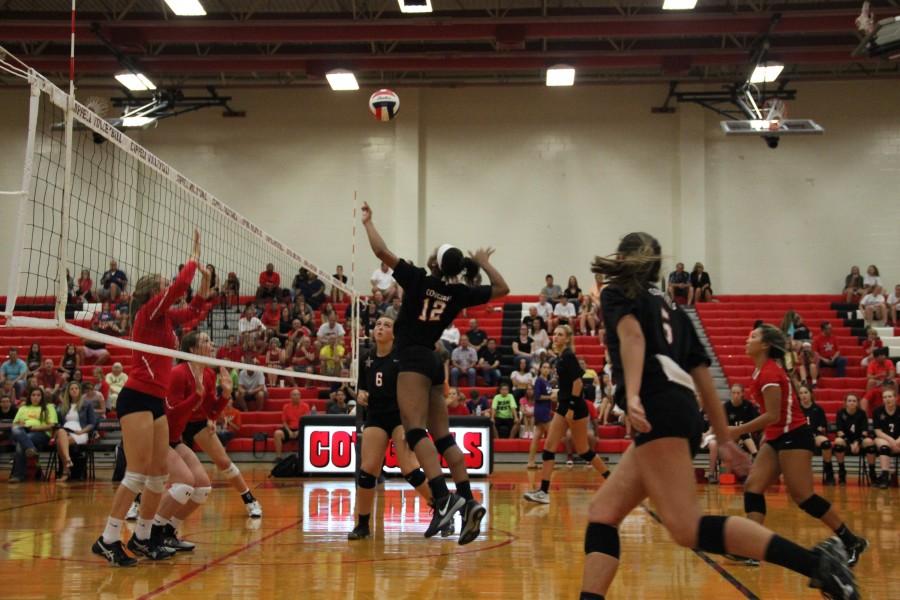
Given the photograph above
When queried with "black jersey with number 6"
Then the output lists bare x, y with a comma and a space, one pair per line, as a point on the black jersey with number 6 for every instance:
889, 424
430, 305
378, 376
672, 348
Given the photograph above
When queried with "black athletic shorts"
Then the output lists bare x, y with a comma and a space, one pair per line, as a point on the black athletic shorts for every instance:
574, 404
131, 401
388, 421
801, 438
190, 432
420, 359
672, 412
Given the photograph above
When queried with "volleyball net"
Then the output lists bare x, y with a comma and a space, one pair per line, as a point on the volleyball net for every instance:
94, 201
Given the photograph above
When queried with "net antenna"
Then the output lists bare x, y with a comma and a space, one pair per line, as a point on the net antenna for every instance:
90, 194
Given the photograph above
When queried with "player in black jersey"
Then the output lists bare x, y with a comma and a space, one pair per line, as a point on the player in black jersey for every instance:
378, 393
887, 433
818, 422
853, 435
658, 362
737, 412
430, 303
571, 414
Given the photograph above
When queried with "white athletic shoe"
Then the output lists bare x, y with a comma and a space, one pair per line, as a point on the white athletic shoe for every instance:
254, 509
539, 496
133, 512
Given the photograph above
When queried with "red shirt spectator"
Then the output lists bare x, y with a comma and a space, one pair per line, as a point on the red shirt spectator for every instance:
269, 279
826, 346
231, 350
460, 409
880, 369
271, 315
292, 413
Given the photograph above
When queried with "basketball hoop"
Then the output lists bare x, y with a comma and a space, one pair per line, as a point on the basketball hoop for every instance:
774, 111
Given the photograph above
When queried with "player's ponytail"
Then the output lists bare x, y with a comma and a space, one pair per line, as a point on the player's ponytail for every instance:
635, 266
775, 339
450, 261
470, 271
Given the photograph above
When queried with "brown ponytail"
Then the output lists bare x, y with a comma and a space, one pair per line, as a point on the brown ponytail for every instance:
635, 265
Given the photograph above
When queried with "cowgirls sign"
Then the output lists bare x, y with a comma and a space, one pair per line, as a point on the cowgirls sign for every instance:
328, 445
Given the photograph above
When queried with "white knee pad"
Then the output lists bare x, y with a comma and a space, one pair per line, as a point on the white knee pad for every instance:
181, 492
134, 481
157, 483
201, 494
231, 472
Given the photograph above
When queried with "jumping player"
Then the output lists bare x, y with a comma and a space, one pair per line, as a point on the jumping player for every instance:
430, 303
378, 393
658, 361
789, 443
571, 414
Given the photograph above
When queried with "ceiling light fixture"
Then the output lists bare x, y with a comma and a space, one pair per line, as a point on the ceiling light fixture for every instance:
136, 82
560, 75
342, 80
186, 8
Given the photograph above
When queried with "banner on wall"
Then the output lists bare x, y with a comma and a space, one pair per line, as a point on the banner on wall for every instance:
328, 445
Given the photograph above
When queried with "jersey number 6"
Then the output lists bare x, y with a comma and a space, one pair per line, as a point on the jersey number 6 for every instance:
437, 309
378, 379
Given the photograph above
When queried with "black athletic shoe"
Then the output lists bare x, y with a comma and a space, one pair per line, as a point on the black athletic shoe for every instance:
829, 479
883, 481
359, 533
148, 549
832, 575
170, 540
471, 522
449, 530
842, 477
114, 553
854, 551
442, 513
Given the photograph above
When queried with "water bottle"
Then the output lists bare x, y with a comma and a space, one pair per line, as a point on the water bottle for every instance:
478, 410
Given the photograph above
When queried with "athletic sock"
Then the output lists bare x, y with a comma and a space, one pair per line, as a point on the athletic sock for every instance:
872, 471
829, 470
113, 531
158, 521
438, 488
885, 475
846, 535
464, 489
176, 523
786, 553
247, 496
364, 521
142, 529
545, 486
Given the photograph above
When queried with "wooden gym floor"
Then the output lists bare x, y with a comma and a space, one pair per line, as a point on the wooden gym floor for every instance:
299, 548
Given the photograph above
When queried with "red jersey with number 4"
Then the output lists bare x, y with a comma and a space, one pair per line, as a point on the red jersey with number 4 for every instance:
790, 415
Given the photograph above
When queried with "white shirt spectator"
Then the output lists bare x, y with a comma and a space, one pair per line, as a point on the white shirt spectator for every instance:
871, 281
566, 311
250, 325
544, 310
540, 342
871, 300
451, 335
893, 300
327, 329
383, 281
521, 380
464, 358
251, 379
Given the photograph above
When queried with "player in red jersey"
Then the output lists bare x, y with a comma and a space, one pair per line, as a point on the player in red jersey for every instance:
140, 407
788, 444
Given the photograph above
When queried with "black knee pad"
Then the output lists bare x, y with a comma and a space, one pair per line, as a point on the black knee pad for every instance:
445, 443
815, 506
711, 534
601, 538
547, 455
870, 449
884, 451
588, 456
414, 436
415, 478
754, 503
826, 445
367, 481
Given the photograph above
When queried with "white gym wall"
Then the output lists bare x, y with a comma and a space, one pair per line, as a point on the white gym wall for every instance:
548, 176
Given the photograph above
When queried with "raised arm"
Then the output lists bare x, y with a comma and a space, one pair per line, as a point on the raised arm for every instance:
161, 303
499, 287
375, 240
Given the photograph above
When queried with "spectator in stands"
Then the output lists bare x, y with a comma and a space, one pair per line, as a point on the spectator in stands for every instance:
113, 282
522, 346
314, 290
337, 403
381, 304
383, 281
531, 316
828, 353
231, 350
7, 389
393, 311
893, 306
594, 292
302, 311
90, 394
285, 323
249, 325
853, 285
303, 357
563, 313
15, 370
70, 361
337, 296
331, 356
489, 363
540, 341
701, 284
680, 289
78, 420
456, 403
852, 434
871, 279
462, 361
544, 308
32, 430
100, 382
251, 387
116, 380
84, 291
478, 404
505, 413
92, 352
879, 372
588, 320
887, 435
477, 336
298, 331
550, 289
870, 345
874, 305
291, 413
521, 378
7, 414
590, 381
108, 321
450, 338
270, 316
274, 358
368, 316
34, 360
231, 290
269, 285
49, 379
526, 410
229, 423
572, 291
331, 328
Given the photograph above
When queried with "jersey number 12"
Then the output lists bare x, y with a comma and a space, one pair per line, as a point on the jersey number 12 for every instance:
432, 310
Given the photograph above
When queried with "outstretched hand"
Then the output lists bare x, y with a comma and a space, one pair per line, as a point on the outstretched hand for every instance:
196, 251
482, 256
366, 213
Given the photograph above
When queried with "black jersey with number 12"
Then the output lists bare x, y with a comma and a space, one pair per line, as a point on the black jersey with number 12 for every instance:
668, 333
430, 305
378, 376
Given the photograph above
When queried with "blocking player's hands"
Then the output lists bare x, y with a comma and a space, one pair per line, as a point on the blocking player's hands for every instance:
225, 382
195, 254
366, 213
482, 256
735, 460
362, 398
637, 416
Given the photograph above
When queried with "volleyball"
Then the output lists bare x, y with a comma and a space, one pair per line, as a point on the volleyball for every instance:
384, 104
